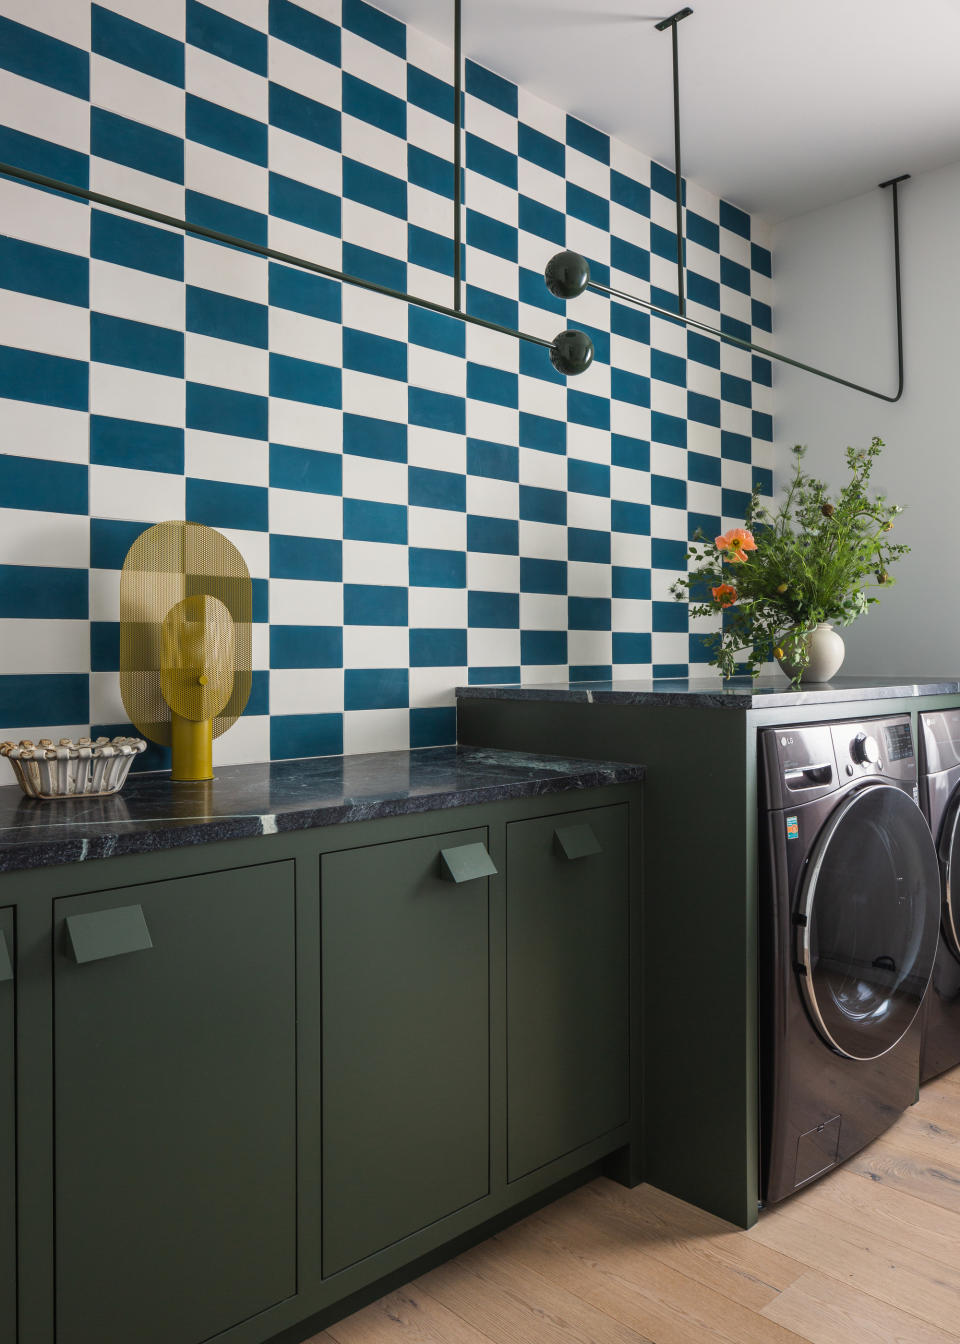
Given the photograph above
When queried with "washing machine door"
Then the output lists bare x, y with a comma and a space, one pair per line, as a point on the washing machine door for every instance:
950, 873
868, 921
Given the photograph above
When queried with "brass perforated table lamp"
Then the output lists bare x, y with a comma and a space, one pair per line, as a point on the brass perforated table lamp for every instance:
186, 614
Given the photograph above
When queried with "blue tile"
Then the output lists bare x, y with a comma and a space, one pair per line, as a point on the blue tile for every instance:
543, 576
763, 477
670, 429
591, 671
223, 129
625, 256
704, 468
367, 520
438, 648
44, 271
761, 315
702, 231
734, 219
300, 292
34, 55
493, 536
435, 331
627, 191
762, 371
492, 676
302, 380
430, 489
495, 386
490, 88
670, 617
709, 524
45, 591
588, 206
543, 648
306, 646
305, 30
534, 292
703, 291
663, 242
223, 411
601, 345
630, 582
429, 93
539, 505
763, 426
588, 478
734, 502
630, 518
143, 247
303, 204
630, 322
367, 265
42, 156
491, 235
761, 260
589, 545
224, 504
373, 188
734, 275
585, 408
234, 220
540, 149
306, 469
588, 140
431, 568
261, 601
588, 613
134, 44
377, 27
731, 326
110, 539
628, 452
136, 345
489, 160
698, 651
134, 443
433, 726
664, 182
226, 317
630, 647
703, 349
105, 646
495, 461
493, 611
535, 363
668, 554
432, 251
31, 698
258, 701
374, 604
376, 688
227, 38
736, 390
437, 410
702, 409
429, 171
305, 558
364, 436
296, 735
48, 380
734, 447
667, 368
135, 146
492, 308
375, 106
299, 115
633, 388
668, 492
366, 352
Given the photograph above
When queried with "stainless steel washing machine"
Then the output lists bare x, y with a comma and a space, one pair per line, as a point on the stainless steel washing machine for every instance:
940, 800
850, 914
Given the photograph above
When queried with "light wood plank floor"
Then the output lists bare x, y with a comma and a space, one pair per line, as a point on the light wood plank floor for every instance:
868, 1255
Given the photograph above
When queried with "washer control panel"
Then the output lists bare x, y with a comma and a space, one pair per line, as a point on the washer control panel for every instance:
808, 761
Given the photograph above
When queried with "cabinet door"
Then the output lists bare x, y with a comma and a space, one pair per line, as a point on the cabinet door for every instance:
405, 1042
567, 983
175, 1106
8, 1203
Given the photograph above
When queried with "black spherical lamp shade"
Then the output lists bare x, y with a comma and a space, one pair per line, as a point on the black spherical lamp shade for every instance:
567, 275
572, 352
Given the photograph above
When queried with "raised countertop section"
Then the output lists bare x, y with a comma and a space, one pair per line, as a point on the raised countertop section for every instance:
152, 813
711, 693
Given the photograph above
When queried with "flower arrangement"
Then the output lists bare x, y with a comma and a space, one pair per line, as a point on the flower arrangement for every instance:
786, 572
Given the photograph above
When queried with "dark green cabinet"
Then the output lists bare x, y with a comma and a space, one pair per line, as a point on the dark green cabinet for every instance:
175, 1125
8, 1147
406, 1039
568, 992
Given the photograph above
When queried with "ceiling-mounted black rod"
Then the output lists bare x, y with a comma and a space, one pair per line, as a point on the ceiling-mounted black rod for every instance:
556, 347
672, 23
894, 182
457, 153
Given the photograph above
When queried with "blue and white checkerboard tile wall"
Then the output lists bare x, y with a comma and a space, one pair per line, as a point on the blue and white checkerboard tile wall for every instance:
420, 503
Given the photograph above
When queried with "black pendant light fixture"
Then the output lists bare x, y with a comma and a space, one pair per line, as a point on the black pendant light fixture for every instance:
567, 274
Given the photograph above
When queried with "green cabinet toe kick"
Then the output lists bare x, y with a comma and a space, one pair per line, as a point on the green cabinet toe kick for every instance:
277, 1074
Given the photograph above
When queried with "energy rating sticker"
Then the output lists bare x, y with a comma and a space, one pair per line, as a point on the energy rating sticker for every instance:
793, 828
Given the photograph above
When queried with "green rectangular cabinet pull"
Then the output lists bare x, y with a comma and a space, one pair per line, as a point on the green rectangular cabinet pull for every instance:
6, 968
464, 863
577, 842
107, 933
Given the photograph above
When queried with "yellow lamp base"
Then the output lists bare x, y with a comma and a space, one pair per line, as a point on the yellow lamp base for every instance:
192, 748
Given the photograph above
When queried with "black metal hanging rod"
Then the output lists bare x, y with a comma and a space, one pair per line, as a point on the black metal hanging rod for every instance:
568, 273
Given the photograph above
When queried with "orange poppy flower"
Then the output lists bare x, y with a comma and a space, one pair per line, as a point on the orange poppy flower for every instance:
725, 595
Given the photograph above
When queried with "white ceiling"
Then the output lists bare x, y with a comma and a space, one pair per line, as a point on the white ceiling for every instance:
786, 105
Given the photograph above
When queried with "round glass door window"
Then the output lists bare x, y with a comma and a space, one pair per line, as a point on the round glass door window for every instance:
871, 903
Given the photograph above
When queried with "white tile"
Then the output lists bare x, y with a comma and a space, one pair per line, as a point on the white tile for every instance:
493, 648
666, 522
305, 602
260, 641
441, 528
543, 541
226, 177
541, 115
244, 368
365, 393
129, 184
438, 608
31, 323
225, 270
588, 580
430, 285
376, 646
139, 97
375, 730
374, 65
633, 614
634, 421
106, 705
37, 109
105, 594
40, 217
374, 229
632, 486
542, 185
546, 470
670, 648
437, 371
543, 611
255, 549
222, 457
165, 18
44, 646
628, 549
304, 161
374, 562
428, 53
300, 513
33, 537
532, 675
430, 132
375, 313
436, 449
302, 426
493, 573
492, 498
588, 172
703, 498
299, 241
50, 432
588, 444
496, 424
132, 394
374, 147
227, 84
318, 690
246, 743
588, 647
304, 73
371, 478
305, 337
122, 291
147, 496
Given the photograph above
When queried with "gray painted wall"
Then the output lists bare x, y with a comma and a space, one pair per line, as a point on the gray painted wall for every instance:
834, 306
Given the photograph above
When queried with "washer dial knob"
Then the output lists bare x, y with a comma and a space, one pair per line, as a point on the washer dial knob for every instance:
865, 749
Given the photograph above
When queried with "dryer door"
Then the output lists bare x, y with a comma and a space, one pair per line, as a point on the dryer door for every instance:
868, 922
950, 873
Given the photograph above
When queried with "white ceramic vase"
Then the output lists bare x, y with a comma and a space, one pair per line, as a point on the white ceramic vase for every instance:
826, 650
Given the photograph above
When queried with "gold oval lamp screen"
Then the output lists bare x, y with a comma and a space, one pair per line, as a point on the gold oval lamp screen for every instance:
186, 618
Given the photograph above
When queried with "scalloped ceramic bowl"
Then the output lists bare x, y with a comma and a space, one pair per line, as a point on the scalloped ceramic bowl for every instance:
83, 769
